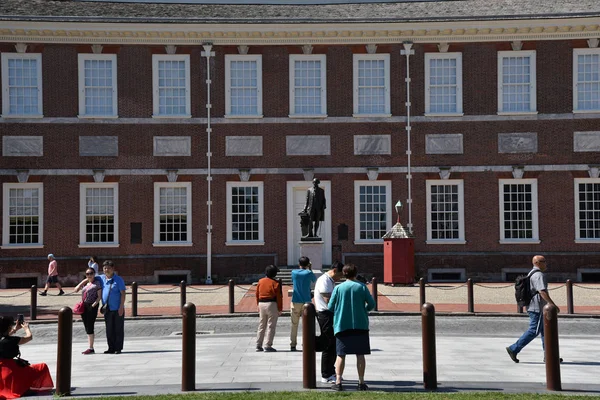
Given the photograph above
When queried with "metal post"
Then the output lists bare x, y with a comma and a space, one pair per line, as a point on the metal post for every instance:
519, 309
134, 298
188, 348
33, 303
309, 365
231, 297
471, 299
64, 352
374, 289
421, 292
182, 302
552, 353
570, 308
429, 351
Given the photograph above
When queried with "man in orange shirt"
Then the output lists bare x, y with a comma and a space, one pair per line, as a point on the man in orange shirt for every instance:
269, 299
52, 276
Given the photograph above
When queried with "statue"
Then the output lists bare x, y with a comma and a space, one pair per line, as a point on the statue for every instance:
314, 211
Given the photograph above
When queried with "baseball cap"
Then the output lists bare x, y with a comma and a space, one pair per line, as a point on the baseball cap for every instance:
51, 255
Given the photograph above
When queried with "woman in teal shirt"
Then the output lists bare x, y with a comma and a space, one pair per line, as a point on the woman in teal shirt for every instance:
350, 303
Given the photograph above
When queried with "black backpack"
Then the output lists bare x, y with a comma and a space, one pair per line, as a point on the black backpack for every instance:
523, 293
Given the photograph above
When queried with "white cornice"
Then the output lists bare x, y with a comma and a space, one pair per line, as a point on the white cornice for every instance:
301, 34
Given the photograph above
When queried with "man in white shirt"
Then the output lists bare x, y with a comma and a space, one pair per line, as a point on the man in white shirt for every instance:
323, 289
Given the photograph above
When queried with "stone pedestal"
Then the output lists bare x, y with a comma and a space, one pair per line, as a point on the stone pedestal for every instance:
314, 251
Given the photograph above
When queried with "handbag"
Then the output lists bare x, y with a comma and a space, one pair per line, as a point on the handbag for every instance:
104, 307
79, 308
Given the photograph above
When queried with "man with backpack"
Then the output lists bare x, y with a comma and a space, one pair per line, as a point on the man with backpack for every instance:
532, 292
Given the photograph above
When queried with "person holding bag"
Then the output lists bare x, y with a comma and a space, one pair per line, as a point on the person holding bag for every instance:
113, 307
17, 376
90, 297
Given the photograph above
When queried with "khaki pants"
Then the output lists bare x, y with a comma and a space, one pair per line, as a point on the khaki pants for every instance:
295, 312
268, 314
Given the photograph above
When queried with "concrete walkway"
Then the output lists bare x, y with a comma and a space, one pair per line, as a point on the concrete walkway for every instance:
229, 363
162, 300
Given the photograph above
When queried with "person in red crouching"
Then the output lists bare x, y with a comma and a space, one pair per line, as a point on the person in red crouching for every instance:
17, 376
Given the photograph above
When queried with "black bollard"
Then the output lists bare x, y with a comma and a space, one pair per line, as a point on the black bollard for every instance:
429, 351
182, 302
552, 353
570, 308
188, 348
309, 366
374, 294
134, 298
64, 352
421, 292
231, 297
470, 296
33, 304
519, 309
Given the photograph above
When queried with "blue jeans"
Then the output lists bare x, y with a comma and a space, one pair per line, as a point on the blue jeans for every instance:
536, 327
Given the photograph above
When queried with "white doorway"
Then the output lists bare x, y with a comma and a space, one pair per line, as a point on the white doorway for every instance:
296, 199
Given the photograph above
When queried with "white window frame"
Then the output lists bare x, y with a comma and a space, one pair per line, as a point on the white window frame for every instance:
82, 58
259, 83
6, 218
155, 89
5, 88
459, 92
577, 181
360, 57
261, 217
388, 217
157, 187
82, 215
534, 210
461, 211
576, 54
292, 68
532, 84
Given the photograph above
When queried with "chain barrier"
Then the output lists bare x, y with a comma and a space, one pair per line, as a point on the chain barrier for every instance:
558, 287
15, 295
159, 291
215, 289
585, 287
441, 288
242, 288
493, 287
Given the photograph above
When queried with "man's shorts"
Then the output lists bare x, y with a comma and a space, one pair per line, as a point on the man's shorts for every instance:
52, 279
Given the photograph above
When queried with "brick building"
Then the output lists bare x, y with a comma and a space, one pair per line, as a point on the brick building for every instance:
179, 138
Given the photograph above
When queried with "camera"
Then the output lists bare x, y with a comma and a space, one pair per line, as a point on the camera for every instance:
20, 319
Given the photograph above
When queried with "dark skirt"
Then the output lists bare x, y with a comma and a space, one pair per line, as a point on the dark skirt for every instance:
353, 341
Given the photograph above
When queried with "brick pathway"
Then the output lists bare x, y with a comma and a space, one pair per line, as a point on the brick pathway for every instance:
161, 300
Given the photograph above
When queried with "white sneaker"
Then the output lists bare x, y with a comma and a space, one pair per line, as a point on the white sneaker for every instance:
331, 379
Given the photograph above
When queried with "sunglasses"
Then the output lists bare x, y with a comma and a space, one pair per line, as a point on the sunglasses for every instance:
90, 273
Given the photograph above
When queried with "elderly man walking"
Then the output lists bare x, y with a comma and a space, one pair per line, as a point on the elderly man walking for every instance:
52, 276
540, 297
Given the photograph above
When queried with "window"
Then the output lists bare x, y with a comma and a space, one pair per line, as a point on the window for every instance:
308, 86
171, 85
587, 210
372, 210
518, 211
99, 215
245, 213
371, 85
516, 82
97, 85
443, 83
23, 206
243, 84
173, 214
21, 85
586, 80
445, 212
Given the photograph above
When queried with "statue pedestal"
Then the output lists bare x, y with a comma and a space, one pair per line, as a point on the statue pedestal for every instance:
314, 251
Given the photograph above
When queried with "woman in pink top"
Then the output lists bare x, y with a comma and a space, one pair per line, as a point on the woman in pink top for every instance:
92, 289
